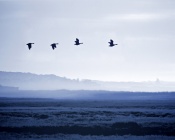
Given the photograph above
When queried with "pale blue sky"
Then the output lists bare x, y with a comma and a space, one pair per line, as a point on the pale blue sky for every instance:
144, 30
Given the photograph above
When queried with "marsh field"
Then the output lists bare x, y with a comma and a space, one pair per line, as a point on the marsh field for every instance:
86, 119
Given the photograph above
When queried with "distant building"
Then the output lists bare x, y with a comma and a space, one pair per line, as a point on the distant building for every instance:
157, 80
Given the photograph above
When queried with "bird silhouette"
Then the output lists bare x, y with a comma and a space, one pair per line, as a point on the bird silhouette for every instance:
77, 42
29, 45
111, 43
54, 45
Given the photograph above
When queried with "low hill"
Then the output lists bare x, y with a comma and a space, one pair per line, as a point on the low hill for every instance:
29, 81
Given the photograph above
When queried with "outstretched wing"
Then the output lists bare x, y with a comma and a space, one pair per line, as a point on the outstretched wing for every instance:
77, 40
111, 41
29, 45
53, 46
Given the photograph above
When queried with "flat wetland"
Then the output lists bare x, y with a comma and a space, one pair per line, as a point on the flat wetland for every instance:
42, 118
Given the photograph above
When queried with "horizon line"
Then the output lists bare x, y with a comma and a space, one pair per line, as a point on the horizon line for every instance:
86, 79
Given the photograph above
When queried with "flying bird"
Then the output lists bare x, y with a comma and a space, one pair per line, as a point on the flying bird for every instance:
29, 45
77, 42
54, 45
111, 43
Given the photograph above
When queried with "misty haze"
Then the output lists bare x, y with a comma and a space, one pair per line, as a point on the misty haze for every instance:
89, 70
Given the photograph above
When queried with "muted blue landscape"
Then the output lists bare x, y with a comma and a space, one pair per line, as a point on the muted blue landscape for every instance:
124, 115
27, 112
87, 69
